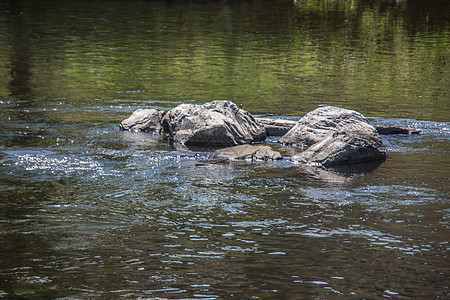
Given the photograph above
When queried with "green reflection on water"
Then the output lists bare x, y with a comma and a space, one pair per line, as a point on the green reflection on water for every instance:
383, 58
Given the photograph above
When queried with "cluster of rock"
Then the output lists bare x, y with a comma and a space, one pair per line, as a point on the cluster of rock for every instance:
326, 136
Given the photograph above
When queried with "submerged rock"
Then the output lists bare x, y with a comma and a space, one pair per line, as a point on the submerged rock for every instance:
248, 152
215, 124
332, 135
147, 120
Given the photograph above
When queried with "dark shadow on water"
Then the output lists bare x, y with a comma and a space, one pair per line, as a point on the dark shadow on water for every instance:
340, 174
356, 168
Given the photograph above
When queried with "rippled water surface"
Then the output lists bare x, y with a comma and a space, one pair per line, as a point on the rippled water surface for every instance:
88, 211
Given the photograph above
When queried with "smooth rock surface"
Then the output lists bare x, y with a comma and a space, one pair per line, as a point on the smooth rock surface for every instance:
248, 152
147, 120
332, 135
215, 124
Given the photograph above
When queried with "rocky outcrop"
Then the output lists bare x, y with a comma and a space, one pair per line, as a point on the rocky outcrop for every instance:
332, 135
147, 120
214, 124
327, 136
276, 127
248, 153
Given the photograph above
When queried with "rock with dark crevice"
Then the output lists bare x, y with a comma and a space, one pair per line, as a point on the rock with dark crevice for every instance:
276, 127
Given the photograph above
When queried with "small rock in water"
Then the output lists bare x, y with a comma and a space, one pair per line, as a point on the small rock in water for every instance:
249, 153
142, 119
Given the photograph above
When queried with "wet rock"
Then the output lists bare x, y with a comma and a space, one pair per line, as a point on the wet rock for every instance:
318, 124
386, 130
332, 135
276, 127
146, 120
214, 124
249, 153
343, 147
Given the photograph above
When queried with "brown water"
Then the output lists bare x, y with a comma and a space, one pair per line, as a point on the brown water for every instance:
88, 211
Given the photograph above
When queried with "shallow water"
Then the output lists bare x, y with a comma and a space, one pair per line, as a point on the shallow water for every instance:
88, 211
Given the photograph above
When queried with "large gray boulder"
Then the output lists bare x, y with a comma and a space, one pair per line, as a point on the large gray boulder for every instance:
215, 124
356, 145
318, 124
142, 119
332, 135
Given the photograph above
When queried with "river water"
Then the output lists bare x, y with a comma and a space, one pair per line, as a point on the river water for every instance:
88, 211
